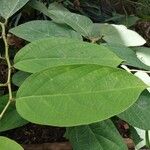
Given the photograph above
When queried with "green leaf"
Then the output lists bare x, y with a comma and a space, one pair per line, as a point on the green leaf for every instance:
60, 14
98, 136
8, 144
143, 54
117, 35
135, 136
138, 114
77, 95
42, 8
57, 6
128, 20
11, 118
10, 7
128, 55
19, 77
39, 29
79, 23
54, 52
39, 6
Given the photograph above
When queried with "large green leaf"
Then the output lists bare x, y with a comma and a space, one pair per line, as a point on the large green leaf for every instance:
76, 95
138, 114
9, 7
116, 34
11, 118
128, 55
98, 136
39, 29
52, 52
8, 144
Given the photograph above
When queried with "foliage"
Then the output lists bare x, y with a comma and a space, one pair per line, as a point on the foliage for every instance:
73, 73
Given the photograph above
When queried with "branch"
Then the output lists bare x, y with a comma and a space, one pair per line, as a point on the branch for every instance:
8, 83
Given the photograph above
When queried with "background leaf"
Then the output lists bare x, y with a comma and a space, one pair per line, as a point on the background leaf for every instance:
39, 6
8, 144
117, 34
11, 118
138, 114
76, 95
98, 136
48, 53
143, 54
79, 23
128, 55
19, 77
60, 14
39, 29
9, 7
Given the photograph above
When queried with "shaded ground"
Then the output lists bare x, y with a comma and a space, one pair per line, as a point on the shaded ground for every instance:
36, 134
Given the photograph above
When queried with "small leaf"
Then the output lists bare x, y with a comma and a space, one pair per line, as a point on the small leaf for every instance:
10, 7
117, 34
8, 144
138, 114
77, 95
19, 77
39, 29
54, 52
98, 136
11, 118
143, 55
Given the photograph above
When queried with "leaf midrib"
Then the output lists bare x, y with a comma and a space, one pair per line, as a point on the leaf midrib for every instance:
81, 93
34, 59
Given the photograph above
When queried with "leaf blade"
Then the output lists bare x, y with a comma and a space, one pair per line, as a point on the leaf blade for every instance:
11, 118
138, 114
7, 144
9, 7
78, 93
98, 136
68, 52
31, 31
